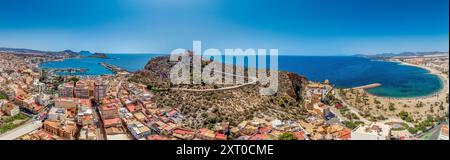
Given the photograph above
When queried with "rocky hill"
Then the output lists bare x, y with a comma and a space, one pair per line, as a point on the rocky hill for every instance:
20, 51
234, 105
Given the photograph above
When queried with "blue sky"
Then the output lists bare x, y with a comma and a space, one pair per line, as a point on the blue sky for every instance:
307, 27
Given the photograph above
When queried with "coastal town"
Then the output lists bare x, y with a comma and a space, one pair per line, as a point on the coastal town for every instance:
39, 104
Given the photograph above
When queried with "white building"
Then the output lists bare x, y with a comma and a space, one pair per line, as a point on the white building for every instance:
277, 123
38, 86
374, 131
56, 114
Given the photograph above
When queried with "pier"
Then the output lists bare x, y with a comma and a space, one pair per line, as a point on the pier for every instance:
370, 86
115, 69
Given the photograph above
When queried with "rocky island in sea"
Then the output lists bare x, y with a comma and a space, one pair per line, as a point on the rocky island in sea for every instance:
87, 54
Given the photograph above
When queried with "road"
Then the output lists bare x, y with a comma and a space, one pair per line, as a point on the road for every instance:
338, 114
15, 133
432, 134
118, 88
210, 90
29, 126
99, 124
252, 82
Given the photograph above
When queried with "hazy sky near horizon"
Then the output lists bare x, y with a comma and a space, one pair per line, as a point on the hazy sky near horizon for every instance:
307, 27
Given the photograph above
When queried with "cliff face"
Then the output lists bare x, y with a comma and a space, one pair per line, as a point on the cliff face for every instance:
234, 105
298, 82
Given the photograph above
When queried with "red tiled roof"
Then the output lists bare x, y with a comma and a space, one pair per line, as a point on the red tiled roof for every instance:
109, 101
258, 137
157, 137
172, 112
444, 129
338, 105
345, 134
108, 107
37, 107
52, 124
108, 122
86, 102
131, 107
299, 135
264, 130
220, 136
203, 130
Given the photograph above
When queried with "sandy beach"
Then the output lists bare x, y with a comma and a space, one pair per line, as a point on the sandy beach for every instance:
430, 103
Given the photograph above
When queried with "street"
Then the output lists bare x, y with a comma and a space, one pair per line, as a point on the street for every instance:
28, 127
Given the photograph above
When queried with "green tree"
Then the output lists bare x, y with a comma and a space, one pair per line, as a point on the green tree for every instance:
391, 106
350, 124
329, 99
405, 116
73, 79
2, 96
232, 136
419, 104
412, 130
441, 106
446, 98
286, 136
210, 126
376, 101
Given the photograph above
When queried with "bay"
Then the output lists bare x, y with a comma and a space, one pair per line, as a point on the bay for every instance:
397, 80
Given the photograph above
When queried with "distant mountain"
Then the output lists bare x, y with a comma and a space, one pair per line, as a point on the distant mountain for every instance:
65, 53
20, 50
420, 53
403, 54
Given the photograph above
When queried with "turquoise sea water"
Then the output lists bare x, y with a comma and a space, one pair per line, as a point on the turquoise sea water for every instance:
397, 80
131, 62
343, 71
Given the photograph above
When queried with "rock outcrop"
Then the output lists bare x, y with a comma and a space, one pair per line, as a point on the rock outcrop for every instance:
234, 106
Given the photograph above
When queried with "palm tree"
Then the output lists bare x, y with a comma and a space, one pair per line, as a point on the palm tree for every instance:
391, 106
419, 104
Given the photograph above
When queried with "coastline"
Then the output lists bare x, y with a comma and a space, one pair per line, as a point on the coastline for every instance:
442, 77
443, 80
390, 107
